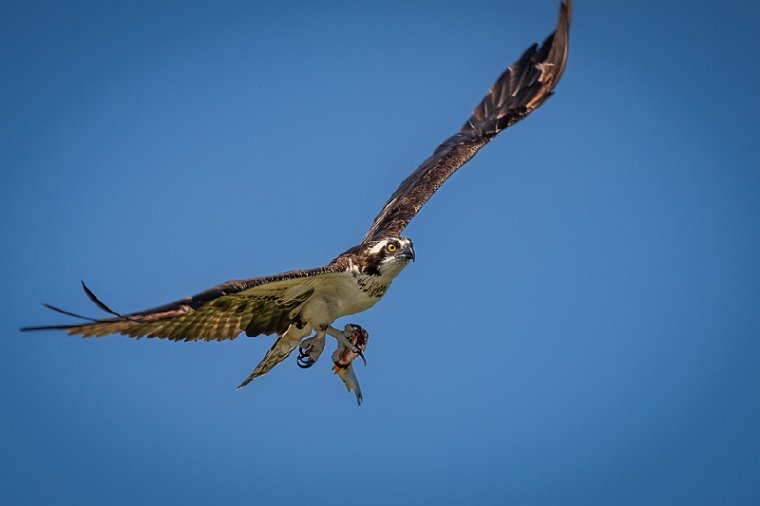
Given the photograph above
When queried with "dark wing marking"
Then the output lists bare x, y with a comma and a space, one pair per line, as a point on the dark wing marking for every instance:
263, 305
522, 88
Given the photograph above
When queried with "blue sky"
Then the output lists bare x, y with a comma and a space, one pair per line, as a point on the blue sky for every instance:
580, 327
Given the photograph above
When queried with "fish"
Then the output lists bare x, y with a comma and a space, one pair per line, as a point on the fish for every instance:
344, 356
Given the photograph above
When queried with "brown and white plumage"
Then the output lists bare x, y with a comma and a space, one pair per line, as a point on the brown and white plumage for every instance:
296, 303
522, 88
254, 306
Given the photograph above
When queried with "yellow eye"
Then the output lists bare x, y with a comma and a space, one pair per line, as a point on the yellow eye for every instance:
391, 248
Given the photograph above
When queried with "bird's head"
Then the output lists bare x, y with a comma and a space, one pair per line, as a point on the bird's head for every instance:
387, 256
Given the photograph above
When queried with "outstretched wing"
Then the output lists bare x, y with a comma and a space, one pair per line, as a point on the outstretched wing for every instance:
524, 86
255, 306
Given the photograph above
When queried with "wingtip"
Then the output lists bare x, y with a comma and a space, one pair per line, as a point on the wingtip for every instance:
245, 382
69, 313
36, 328
98, 302
566, 11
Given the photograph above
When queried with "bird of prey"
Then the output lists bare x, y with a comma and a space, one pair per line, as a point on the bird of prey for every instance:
300, 306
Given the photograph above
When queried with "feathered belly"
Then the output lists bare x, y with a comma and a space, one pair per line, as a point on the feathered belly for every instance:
360, 302
355, 296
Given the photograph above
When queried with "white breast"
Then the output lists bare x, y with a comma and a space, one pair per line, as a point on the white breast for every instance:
340, 294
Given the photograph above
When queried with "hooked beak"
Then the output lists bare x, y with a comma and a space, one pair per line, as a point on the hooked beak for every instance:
407, 253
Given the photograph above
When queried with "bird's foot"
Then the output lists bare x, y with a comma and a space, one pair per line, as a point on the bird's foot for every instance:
356, 338
310, 349
344, 336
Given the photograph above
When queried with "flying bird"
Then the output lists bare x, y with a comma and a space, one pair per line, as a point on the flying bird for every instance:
300, 306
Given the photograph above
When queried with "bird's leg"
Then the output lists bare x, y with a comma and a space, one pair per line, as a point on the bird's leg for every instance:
343, 336
310, 349
357, 339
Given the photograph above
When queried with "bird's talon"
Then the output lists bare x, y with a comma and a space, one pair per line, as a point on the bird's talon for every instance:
310, 349
305, 364
303, 360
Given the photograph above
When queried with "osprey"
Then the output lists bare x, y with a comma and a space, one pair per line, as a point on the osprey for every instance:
301, 306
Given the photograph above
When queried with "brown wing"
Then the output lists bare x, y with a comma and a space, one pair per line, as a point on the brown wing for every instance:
263, 305
524, 86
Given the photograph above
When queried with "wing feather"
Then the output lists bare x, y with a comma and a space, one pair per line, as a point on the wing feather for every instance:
255, 306
522, 88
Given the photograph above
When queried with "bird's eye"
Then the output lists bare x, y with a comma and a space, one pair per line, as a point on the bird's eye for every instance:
391, 248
